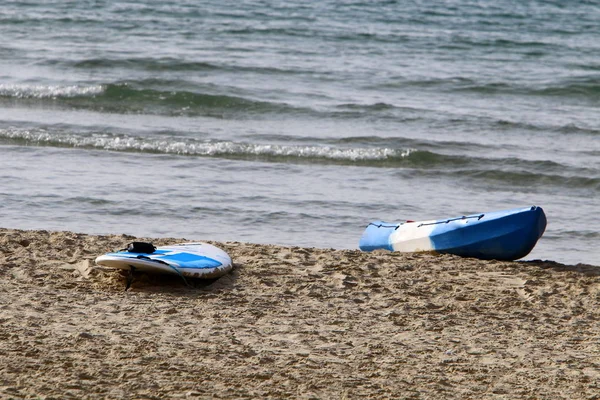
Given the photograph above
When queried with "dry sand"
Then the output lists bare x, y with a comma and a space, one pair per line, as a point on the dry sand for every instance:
293, 322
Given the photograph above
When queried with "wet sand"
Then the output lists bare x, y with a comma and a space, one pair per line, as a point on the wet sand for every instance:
292, 322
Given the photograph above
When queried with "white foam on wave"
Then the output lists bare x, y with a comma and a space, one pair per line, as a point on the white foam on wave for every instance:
277, 150
207, 148
25, 91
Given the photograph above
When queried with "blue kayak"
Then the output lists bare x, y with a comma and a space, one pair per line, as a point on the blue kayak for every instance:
500, 235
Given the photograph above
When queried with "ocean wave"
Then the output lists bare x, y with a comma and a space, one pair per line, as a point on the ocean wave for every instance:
392, 153
381, 106
582, 234
212, 148
171, 64
260, 30
150, 64
583, 86
571, 128
452, 84
125, 98
166, 97
525, 178
579, 87
575, 87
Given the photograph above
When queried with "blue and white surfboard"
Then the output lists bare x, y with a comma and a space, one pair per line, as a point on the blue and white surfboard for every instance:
195, 260
502, 235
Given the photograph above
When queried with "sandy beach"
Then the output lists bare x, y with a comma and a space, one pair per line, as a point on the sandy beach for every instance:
292, 322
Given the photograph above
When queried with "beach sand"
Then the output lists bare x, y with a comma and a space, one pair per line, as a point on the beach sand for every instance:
292, 322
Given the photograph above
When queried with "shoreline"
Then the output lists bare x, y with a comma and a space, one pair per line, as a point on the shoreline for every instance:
293, 322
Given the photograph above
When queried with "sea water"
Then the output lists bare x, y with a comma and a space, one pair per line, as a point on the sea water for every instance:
299, 122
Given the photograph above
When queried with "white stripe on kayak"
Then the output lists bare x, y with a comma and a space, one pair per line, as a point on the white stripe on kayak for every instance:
412, 237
